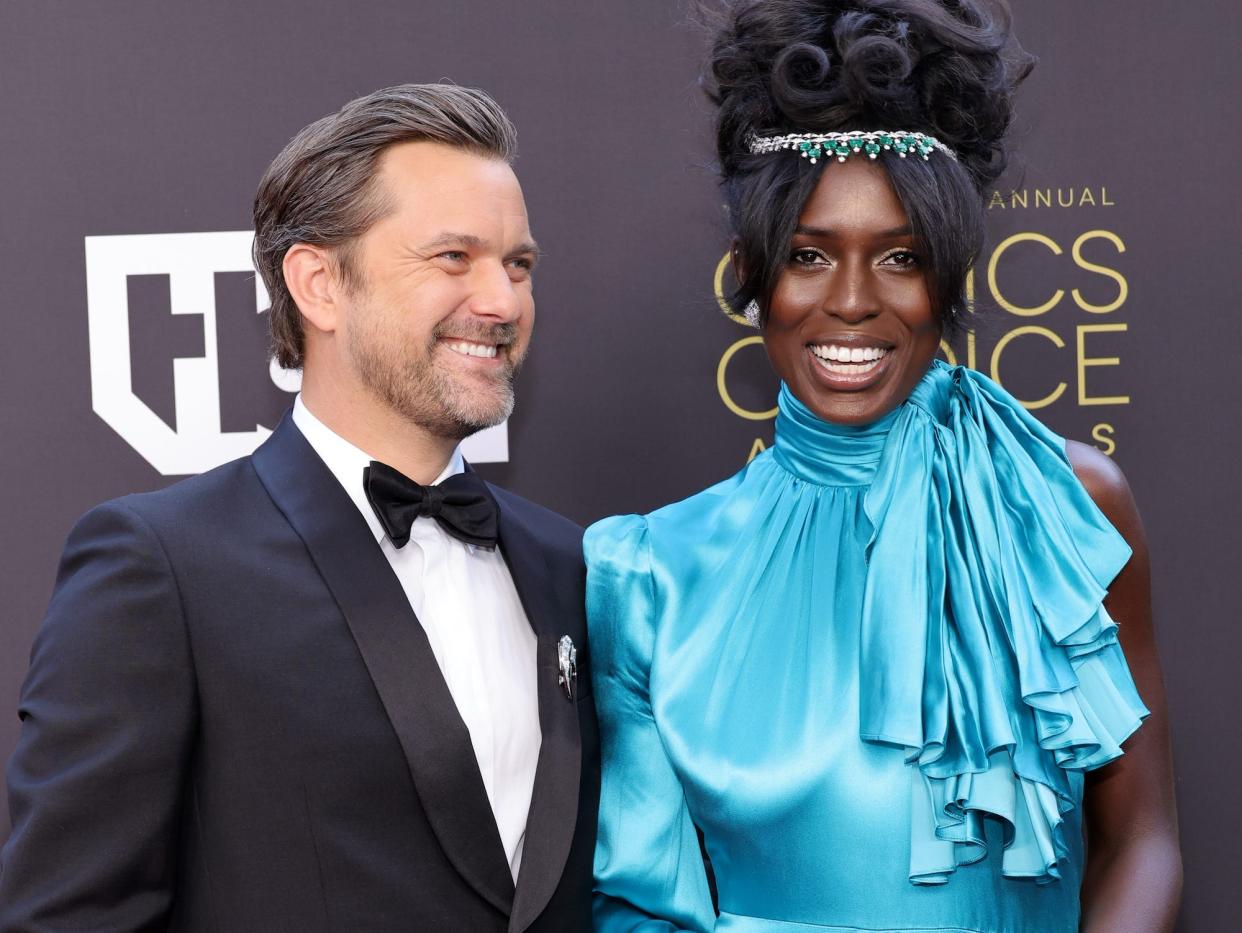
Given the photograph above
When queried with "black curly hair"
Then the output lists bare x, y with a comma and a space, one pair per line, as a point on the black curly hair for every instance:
948, 69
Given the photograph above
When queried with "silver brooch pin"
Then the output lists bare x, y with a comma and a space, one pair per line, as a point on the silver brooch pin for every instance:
567, 661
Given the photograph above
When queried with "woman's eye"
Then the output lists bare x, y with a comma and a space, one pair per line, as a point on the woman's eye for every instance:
806, 257
902, 257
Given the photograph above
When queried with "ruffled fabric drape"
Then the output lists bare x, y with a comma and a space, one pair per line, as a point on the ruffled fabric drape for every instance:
990, 558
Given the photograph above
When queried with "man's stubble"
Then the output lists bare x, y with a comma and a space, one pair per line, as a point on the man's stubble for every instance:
419, 384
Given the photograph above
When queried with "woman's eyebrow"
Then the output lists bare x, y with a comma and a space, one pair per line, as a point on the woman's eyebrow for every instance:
827, 233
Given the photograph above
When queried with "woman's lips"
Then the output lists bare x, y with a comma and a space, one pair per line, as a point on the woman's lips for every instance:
849, 367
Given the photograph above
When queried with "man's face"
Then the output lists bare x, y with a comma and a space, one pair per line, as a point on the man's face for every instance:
441, 313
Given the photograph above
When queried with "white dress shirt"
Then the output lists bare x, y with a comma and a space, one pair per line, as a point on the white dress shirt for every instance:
467, 604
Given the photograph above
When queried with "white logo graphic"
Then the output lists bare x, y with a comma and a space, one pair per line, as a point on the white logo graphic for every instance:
190, 260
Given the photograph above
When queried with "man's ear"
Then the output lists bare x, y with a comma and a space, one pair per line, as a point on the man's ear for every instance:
311, 280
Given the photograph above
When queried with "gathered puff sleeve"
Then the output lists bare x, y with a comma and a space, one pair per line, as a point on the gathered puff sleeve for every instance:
649, 872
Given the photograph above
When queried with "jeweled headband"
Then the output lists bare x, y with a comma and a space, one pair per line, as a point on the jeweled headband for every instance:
813, 146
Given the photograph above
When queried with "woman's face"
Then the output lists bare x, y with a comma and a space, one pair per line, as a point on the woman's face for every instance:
850, 327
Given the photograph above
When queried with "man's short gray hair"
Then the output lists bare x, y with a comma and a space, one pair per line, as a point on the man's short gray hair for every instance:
321, 188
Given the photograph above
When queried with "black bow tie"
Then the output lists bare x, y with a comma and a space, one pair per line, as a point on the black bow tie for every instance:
462, 504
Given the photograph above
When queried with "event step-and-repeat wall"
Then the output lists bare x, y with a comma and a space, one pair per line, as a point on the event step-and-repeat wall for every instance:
133, 133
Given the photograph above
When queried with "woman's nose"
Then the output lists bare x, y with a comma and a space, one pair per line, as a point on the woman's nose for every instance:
851, 295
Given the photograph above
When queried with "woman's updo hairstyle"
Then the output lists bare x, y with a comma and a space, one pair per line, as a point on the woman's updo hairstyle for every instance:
948, 69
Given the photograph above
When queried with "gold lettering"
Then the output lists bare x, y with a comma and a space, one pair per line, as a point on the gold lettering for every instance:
718, 288
971, 355
1123, 289
995, 261
1103, 434
1065, 197
723, 389
756, 449
1084, 361
1004, 342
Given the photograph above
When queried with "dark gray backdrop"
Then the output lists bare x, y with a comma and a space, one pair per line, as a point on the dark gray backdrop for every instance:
156, 117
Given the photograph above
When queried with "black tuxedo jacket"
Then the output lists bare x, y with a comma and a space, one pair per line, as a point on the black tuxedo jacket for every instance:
233, 722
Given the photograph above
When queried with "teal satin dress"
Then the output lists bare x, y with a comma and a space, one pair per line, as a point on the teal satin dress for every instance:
870, 669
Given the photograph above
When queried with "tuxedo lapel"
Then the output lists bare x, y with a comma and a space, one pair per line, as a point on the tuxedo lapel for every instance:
398, 656
554, 802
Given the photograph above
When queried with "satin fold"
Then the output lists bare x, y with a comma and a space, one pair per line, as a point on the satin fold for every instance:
874, 660
1002, 564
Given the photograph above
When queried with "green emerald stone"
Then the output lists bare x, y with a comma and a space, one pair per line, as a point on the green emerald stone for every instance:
804, 146
842, 147
886, 141
873, 148
901, 146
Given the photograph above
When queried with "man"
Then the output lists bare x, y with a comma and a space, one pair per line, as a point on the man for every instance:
340, 684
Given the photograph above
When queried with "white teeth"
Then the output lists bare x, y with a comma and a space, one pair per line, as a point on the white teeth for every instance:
485, 351
848, 355
848, 369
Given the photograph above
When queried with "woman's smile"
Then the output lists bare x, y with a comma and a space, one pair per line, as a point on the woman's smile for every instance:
850, 363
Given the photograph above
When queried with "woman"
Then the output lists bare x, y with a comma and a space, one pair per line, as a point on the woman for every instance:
868, 675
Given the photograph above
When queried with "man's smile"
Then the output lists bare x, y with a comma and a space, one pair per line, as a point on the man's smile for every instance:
486, 351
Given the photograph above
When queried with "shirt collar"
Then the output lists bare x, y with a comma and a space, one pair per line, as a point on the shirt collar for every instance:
347, 462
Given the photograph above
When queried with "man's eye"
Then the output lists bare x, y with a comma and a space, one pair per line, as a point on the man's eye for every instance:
454, 255
520, 269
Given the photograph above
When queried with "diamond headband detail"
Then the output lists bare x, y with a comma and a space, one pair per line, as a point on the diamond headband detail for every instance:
815, 146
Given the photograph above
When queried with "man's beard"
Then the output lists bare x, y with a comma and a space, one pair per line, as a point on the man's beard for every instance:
424, 389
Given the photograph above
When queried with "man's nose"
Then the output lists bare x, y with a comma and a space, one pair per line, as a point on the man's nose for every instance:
494, 295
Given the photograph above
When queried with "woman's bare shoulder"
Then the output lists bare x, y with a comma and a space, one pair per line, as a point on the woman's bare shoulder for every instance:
1105, 483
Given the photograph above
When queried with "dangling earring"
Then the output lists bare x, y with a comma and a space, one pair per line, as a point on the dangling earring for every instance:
752, 314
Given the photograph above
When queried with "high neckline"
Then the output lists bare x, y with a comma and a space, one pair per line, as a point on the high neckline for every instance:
828, 454
824, 453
